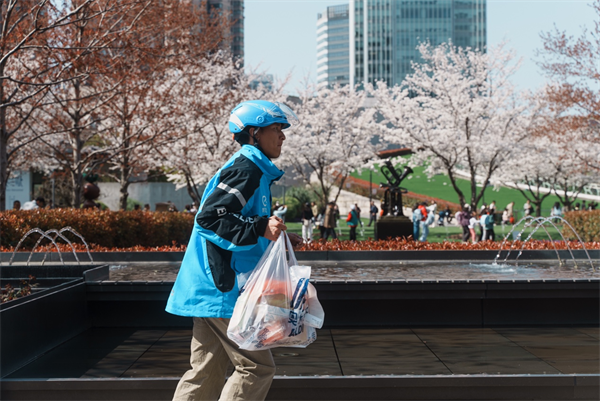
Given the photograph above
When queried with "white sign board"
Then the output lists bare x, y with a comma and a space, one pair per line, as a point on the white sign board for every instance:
18, 188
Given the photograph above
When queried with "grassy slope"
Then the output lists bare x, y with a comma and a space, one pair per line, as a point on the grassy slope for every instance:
439, 187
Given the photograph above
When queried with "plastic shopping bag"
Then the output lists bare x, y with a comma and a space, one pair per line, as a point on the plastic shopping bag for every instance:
277, 307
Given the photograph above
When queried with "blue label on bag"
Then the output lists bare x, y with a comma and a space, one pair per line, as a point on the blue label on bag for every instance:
299, 293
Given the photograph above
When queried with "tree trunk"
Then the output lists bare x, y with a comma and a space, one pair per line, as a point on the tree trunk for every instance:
124, 194
77, 172
461, 196
192, 189
124, 181
3, 158
3, 147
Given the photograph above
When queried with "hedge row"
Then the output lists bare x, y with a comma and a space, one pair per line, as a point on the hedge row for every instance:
585, 223
101, 227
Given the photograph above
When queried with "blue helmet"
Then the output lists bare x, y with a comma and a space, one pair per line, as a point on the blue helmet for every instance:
260, 113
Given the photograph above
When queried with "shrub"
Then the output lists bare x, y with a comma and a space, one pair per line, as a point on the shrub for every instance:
296, 197
101, 227
585, 223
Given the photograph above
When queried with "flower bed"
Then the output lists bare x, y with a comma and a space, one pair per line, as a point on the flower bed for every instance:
9, 293
399, 244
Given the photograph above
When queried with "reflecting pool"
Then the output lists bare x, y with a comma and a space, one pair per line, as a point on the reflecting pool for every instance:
387, 270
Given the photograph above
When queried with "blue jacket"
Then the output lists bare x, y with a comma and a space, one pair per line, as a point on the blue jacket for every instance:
227, 236
352, 219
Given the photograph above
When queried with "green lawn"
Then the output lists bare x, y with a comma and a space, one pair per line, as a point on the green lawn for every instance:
440, 187
436, 234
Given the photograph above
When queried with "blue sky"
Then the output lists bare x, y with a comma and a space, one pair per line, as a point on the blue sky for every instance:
280, 35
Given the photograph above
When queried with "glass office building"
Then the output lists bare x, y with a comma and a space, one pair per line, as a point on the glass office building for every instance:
235, 10
386, 33
333, 46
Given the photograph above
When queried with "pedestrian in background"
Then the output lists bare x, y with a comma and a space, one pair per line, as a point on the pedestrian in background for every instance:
556, 210
307, 220
315, 210
329, 221
38, 203
373, 214
416, 219
352, 221
320, 222
336, 210
358, 213
510, 209
487, 225
428, 221
463, 219
505, 217
280, 211
473, 223
527, 208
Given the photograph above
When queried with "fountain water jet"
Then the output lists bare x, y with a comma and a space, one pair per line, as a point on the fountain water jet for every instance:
44, 235
47, 234
540, 223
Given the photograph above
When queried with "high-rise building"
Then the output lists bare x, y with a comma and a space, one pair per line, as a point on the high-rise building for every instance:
262, 80
333, 46
386, 32
235, 10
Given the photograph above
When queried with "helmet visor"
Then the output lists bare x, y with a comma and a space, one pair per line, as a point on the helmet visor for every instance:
288, 113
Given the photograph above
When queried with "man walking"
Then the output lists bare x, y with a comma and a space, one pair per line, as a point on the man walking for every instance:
231, 232
463, 219
307, 218
373, 213
329, 221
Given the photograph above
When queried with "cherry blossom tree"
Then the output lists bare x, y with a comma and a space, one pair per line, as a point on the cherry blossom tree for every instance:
573, 65
571, 172
459, 113
337, 134
27, 70
123, 104
206, 91
149, 90
84, 48
531, 169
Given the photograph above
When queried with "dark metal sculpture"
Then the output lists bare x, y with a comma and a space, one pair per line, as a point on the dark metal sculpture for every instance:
393, 223
392, 203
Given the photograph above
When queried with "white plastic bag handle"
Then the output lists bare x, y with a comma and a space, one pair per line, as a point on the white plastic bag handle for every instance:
292, 261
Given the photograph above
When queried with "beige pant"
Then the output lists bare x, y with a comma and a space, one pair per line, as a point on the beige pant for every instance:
211, 352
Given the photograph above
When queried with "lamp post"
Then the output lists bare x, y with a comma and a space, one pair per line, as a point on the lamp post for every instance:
370, 187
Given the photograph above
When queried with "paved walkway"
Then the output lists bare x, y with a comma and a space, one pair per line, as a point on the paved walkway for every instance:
132, 353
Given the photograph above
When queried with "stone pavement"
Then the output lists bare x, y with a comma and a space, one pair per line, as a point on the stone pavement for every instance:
133, 353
